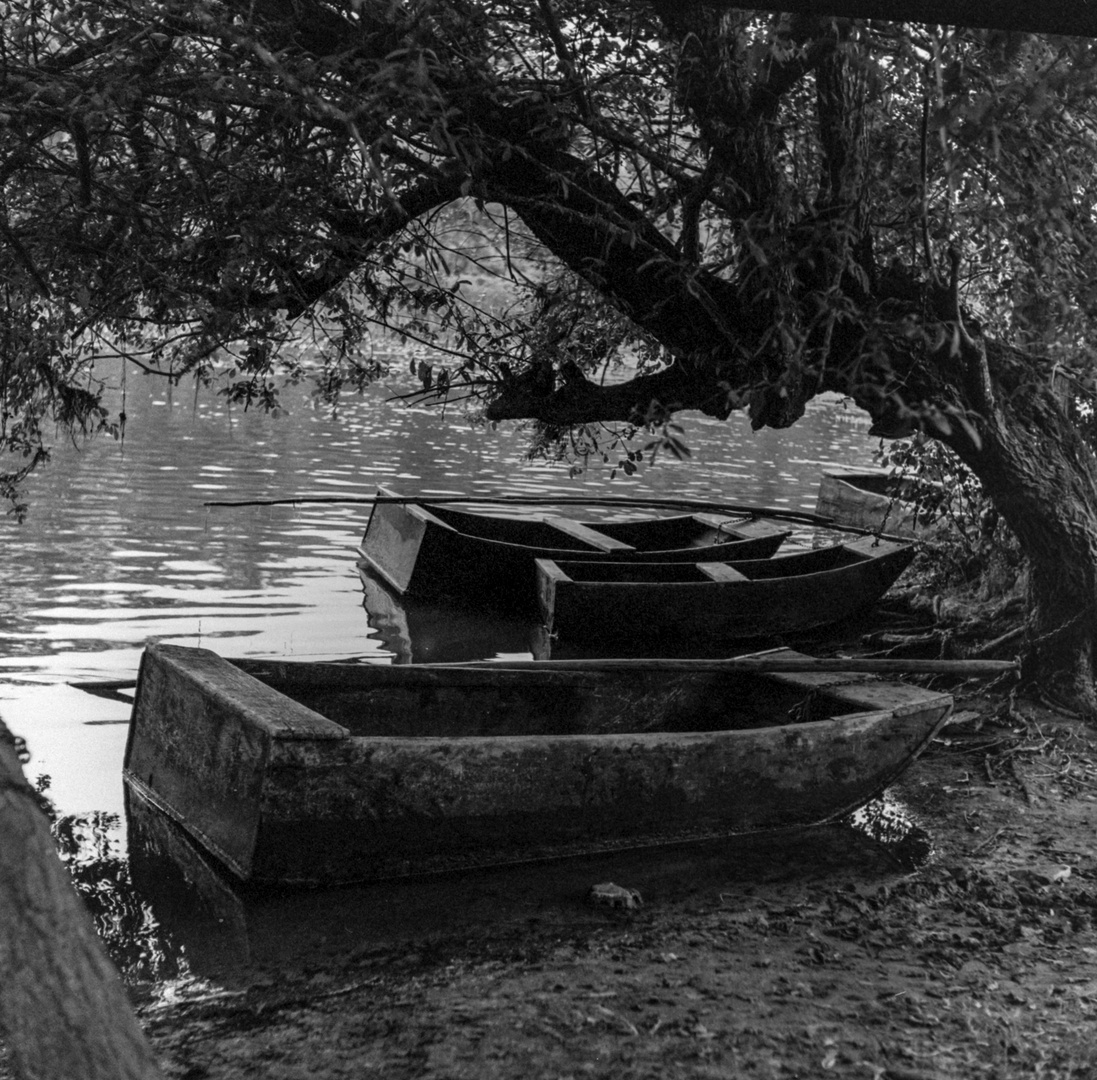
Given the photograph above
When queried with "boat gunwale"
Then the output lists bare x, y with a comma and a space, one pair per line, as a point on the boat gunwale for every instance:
836, 690
547, 551
559, 568
833, 688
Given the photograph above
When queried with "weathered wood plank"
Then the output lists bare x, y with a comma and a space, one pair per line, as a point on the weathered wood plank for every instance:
578, 531
721, 572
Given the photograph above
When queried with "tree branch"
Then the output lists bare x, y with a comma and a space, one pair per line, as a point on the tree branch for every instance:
644, 399
1067, 17
586, 222
359, 236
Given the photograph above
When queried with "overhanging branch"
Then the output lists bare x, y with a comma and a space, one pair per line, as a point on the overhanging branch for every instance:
644, 399
358, 236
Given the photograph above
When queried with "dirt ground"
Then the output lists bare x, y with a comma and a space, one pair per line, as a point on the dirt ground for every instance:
825, 953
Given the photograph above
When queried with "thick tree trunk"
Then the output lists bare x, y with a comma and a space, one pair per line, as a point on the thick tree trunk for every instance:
993, 407
1041, 476
63, 1011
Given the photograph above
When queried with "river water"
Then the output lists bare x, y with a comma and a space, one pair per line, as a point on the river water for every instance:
119, 548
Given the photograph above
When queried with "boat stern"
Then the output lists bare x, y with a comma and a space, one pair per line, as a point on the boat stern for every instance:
201, 739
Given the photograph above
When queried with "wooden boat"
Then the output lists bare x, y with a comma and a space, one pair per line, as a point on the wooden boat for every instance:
877, 501
299, 772
717, 601
426, 549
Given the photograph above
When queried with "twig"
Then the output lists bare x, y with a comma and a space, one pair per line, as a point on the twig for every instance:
1005, 639
1020, 780
987, 842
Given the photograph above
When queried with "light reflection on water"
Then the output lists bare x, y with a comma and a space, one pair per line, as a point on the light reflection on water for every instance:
119, 550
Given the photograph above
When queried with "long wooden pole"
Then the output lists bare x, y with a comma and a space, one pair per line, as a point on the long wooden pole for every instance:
801, 516
972, 668
759, 664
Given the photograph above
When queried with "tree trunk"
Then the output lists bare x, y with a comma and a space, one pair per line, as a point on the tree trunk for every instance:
1041, 476
63, 1010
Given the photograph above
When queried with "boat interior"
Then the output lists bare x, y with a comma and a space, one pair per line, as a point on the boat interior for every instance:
567, 534
817, 561
417, 701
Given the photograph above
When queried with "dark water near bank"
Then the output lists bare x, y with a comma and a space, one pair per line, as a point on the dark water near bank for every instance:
119, 550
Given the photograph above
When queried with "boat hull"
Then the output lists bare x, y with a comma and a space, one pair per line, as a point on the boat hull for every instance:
872, 500
423, 550
581, 601
417, 769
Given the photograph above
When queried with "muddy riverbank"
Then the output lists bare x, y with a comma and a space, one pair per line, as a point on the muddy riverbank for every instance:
819, 954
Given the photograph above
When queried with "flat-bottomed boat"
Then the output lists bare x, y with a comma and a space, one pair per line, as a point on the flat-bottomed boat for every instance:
322, 773
717, 601
427, 549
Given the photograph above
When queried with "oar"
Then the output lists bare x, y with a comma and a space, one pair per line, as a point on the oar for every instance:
800, 516
759, 663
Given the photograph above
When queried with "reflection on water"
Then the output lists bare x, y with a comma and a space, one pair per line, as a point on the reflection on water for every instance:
89, 845
142, 949
422, 631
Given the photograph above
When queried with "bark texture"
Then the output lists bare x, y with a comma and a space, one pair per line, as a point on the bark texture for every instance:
1041, 476
63, 1010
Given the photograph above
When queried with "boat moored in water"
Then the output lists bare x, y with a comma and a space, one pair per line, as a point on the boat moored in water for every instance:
323, 773
717, 601
423, 548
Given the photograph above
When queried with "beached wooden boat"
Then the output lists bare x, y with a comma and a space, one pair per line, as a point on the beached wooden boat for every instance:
298, 772
717, 601
429, 549
877, 501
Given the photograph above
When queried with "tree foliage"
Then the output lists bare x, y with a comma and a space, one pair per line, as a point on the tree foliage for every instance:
743, 209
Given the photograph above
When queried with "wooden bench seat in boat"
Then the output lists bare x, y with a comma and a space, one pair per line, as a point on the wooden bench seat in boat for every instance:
721, 571
578, 531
